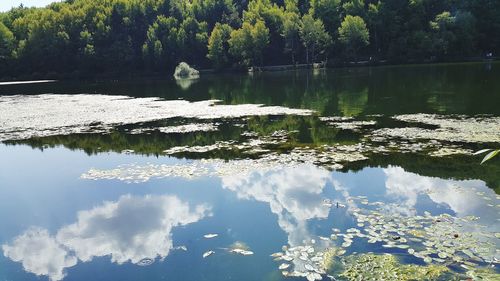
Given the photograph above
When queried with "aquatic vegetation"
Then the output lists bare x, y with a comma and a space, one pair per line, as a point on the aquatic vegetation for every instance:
483, 274
211, 235
387, 267
441, 238
454, 128
241, 252
331, 157
330, 256
307, 262
180, 129
441, 241
25, 117
208, 253
134, 173
447, 151
240, 248
350, 124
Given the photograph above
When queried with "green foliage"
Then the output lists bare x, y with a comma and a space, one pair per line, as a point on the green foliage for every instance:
291, 26
218, 48
88, 36
249, 41
329, 11
442, 25
353, 33
6, 42
314, 37
184, 71
387, 267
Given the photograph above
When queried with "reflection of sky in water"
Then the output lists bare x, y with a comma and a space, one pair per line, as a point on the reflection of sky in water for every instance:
51, 219
130, 229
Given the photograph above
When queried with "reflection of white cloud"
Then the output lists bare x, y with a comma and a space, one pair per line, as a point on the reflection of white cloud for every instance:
40, 254
408, 186
293, 193
130, 229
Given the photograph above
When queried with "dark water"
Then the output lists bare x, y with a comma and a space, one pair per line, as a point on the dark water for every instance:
115, 206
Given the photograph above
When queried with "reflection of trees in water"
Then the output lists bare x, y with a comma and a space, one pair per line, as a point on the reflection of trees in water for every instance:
377, 90
308, 130
353, 103
456, 167
454, 88
296, 89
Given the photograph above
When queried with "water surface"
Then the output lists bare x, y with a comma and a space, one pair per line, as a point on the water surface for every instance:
125, 181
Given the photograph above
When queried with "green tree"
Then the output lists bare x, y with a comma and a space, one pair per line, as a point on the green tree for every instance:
218, 47
249, 41
355, 8
443, 37
6, 42
154, 35
328, 11
291, 26
314, 37
260, 36
353, 33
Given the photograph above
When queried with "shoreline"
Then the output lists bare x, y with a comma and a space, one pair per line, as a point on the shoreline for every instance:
110, 76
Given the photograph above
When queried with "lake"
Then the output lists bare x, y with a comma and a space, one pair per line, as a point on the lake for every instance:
338, 174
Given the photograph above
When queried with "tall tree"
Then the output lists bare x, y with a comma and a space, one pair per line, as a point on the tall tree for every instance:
249, 41
443, 37
314, 37
260, 36
354, 34
6, 43
218, 47
291, 26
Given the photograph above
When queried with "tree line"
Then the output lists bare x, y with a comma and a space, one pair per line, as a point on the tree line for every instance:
115, 36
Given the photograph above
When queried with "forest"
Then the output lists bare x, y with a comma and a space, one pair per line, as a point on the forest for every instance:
77, 38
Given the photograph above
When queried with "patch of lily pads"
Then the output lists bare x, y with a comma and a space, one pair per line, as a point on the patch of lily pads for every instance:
332, 157
448, 248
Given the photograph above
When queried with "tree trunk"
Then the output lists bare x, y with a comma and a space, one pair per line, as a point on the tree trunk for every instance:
307, 54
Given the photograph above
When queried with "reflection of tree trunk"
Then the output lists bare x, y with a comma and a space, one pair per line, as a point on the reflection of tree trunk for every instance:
307, 54
312, 53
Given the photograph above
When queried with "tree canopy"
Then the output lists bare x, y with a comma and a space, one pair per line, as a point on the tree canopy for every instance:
85, 37
353, 33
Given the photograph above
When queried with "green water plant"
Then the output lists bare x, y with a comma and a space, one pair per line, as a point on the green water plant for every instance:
387, 267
